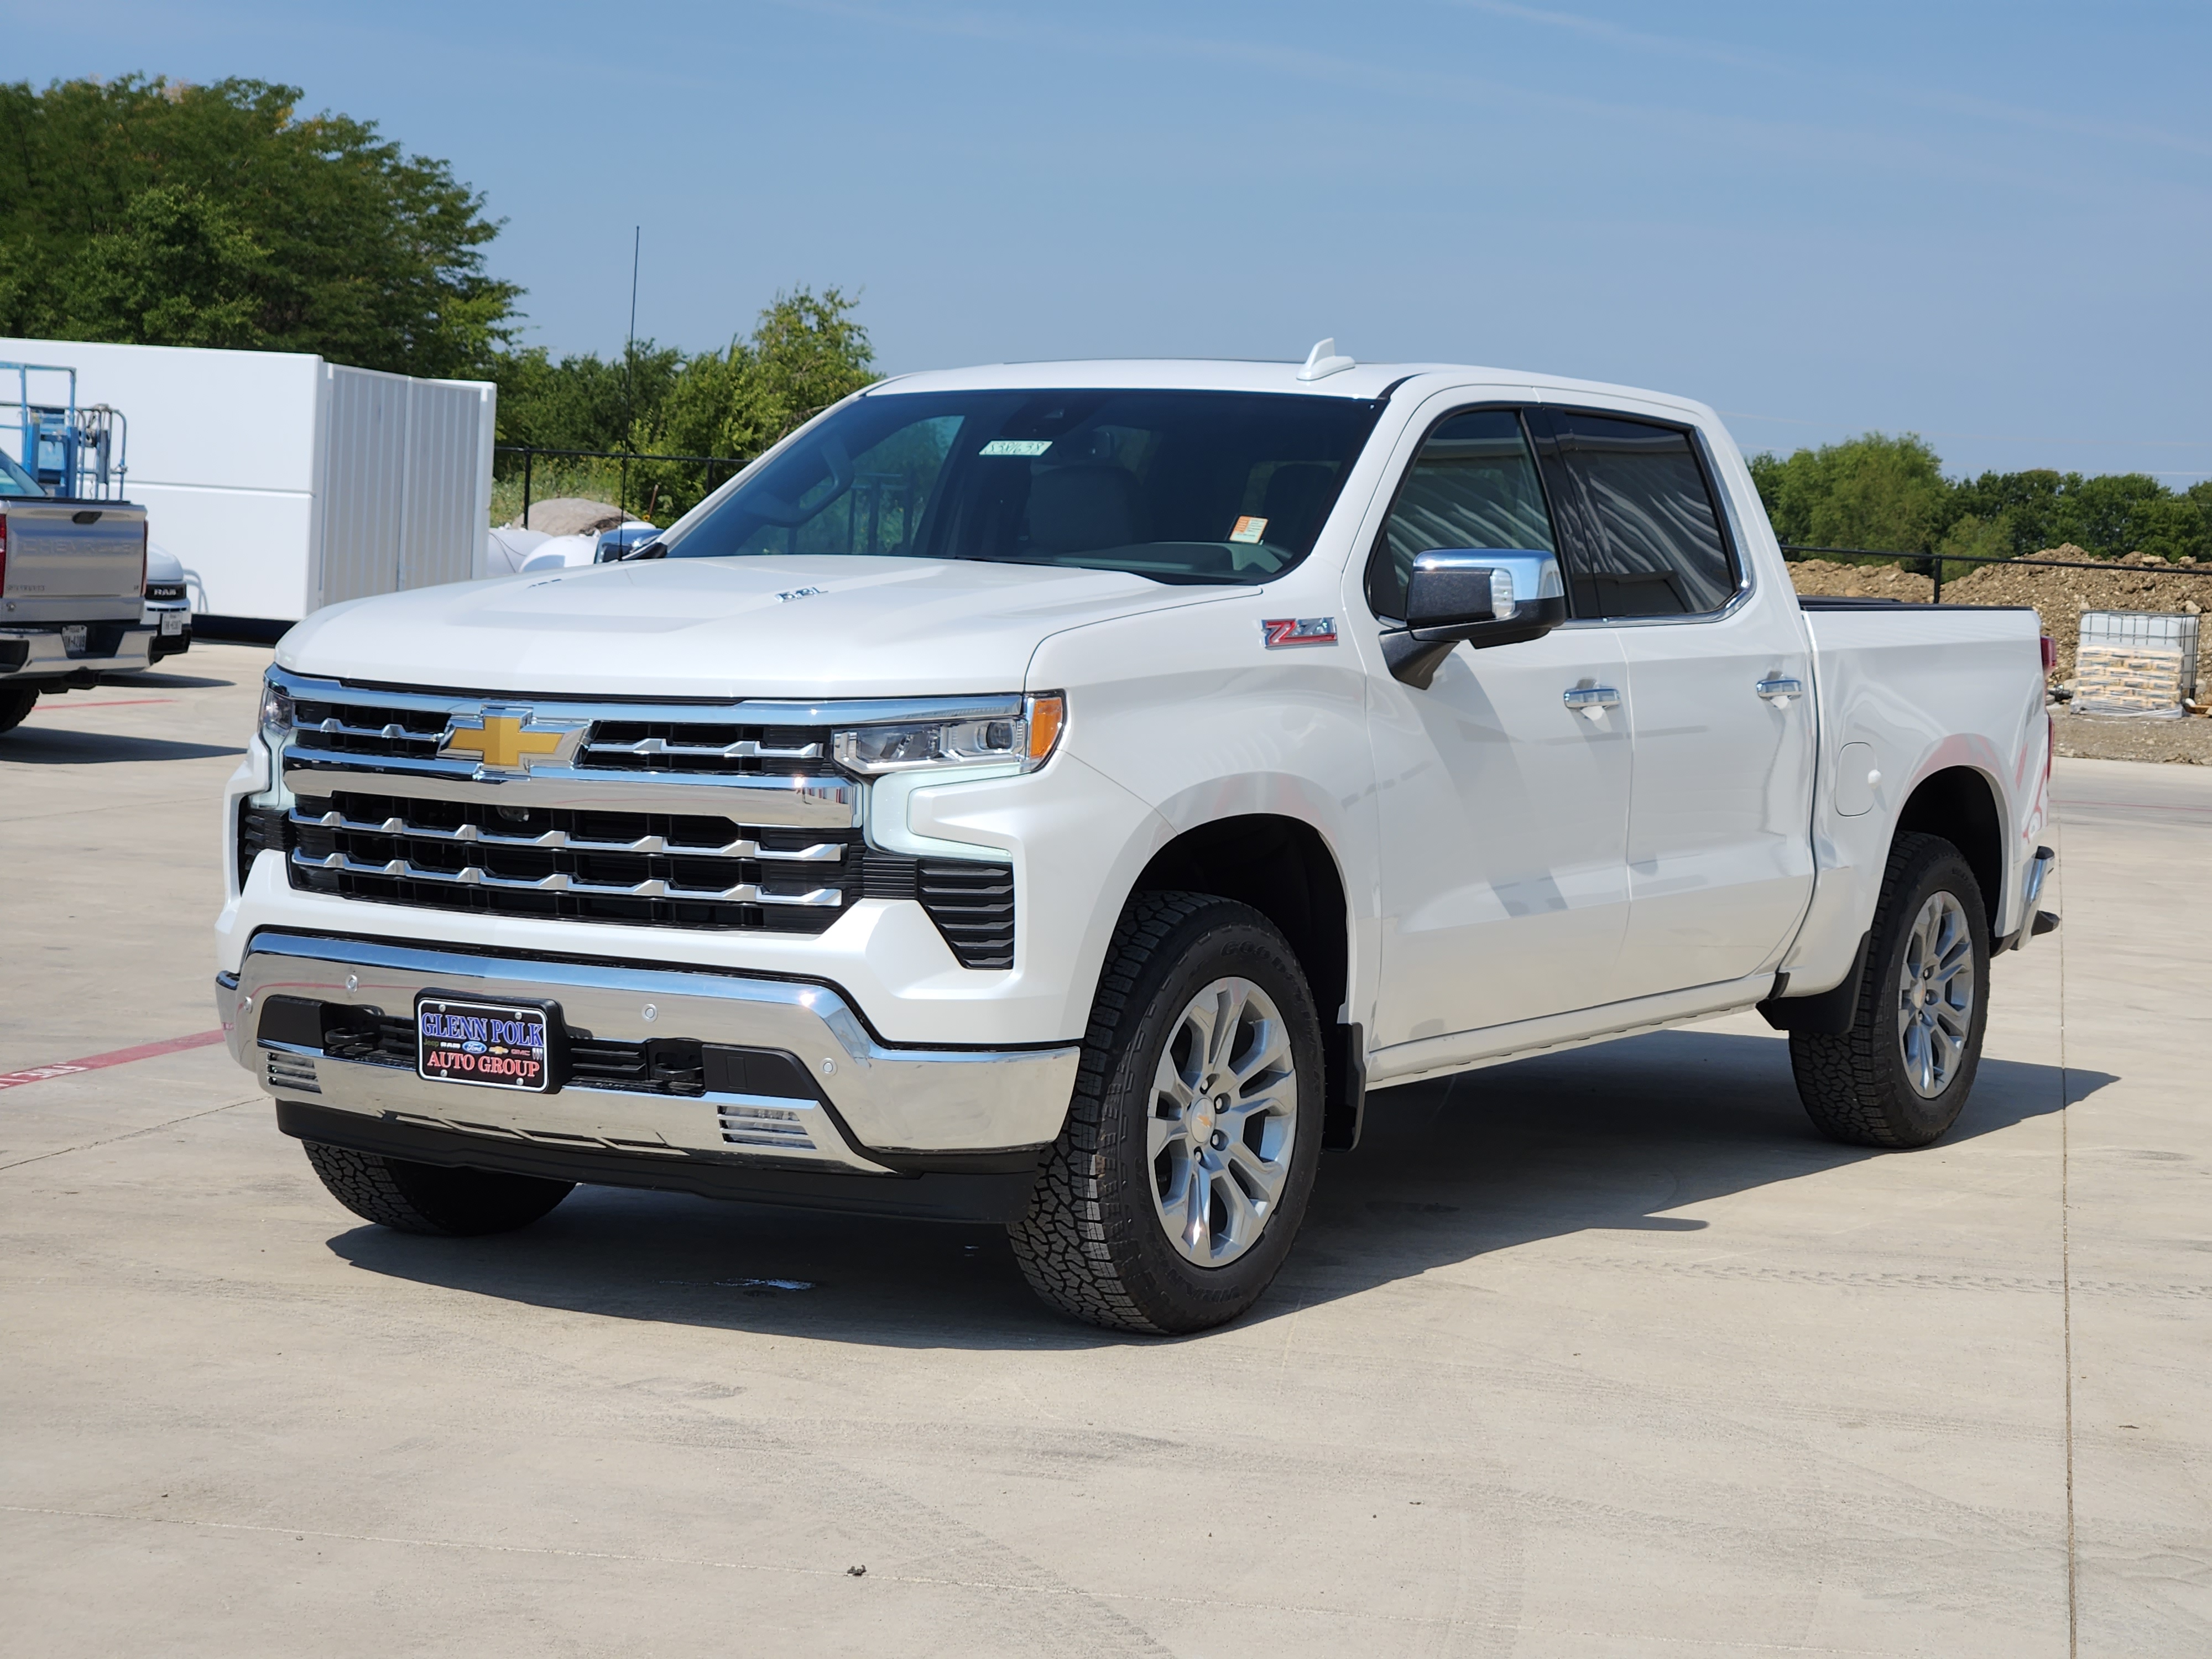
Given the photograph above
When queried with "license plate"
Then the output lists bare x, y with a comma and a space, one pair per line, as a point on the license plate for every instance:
173, 622
494, 1045
73, 638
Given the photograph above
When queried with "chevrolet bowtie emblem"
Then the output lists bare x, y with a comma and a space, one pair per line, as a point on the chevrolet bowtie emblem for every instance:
509, 739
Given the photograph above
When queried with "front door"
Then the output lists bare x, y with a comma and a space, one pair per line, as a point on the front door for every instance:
1720, 857
1503, 810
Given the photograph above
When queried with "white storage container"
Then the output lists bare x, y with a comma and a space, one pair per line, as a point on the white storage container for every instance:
283, 483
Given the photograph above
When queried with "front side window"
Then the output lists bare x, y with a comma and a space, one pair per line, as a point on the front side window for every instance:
1178, 486
1474, 485
1658, 550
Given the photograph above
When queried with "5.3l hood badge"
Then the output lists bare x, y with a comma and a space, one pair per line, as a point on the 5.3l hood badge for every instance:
510, 740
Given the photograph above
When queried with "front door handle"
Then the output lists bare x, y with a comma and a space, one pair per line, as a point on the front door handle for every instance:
1779, 691
1592, 700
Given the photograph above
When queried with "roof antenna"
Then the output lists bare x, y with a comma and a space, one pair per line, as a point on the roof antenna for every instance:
1322, 361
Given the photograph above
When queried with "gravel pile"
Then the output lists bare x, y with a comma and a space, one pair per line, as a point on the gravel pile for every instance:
2137, 582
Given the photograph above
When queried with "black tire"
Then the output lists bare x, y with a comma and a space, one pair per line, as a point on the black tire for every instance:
1093, 1243
16, 702
1855, 1087
430, 1197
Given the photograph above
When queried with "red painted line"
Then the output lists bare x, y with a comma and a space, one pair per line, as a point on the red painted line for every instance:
116, 702
117, 1057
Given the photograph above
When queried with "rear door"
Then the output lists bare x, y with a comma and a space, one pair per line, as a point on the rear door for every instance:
1720, 859
1503, 810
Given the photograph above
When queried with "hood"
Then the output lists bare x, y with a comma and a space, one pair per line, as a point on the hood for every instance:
754, 627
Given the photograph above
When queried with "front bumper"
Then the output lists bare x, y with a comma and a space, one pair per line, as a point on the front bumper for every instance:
37, 653
874, 1109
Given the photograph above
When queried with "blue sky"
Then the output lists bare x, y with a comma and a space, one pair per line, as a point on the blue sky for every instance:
1991, 224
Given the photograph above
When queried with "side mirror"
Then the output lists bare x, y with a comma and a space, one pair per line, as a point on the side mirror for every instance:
1479, 596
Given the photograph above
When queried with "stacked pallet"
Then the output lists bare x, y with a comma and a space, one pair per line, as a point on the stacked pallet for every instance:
2128, 679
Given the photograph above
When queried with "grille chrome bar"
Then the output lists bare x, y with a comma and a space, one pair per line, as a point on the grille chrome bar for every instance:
560, 840
744, 749
853, 711
560, 882
794, 802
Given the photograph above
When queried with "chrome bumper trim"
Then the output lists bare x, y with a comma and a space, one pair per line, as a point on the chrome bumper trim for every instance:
47, 655
892, 1100
2038, 868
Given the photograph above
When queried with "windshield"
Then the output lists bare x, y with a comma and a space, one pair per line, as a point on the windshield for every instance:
14, 480
1179, 486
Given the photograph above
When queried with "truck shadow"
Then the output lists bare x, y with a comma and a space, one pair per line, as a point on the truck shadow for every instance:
1603, 1140
37, 745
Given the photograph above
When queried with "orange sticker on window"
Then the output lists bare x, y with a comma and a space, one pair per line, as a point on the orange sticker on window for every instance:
1249, 529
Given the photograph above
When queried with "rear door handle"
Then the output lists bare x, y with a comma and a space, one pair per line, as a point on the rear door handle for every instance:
1591, 701
1779, 691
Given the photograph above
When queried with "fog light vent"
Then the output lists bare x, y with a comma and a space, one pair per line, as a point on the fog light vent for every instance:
292, 1074
763, 1122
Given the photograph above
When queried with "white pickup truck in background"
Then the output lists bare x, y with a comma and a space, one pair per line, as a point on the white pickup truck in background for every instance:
73, 592
1058, 794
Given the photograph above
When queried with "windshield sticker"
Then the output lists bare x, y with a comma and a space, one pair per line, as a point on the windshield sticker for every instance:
1249, 529
1016, 446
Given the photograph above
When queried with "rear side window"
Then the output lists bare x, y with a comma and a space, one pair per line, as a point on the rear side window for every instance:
1656, 547
1474, 485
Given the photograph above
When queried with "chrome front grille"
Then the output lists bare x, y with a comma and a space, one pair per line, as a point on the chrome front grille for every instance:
646, 868
711, 815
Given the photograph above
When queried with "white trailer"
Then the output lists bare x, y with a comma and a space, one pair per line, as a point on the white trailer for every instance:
283, 483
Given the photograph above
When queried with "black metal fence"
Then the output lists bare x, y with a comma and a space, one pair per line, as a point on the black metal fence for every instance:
1931, 565
529, 453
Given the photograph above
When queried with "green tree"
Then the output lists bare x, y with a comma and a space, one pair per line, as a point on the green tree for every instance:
1882, 493
806, 351
584, 401
255, 224
178, 270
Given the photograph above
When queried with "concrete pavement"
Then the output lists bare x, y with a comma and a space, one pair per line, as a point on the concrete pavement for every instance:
1599, 1355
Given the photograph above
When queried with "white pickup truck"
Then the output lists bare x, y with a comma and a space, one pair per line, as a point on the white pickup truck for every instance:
1058, 794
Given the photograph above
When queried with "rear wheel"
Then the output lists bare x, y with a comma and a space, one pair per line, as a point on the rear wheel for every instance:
16, 705
1900, 1076
1174, 1192
430, 1197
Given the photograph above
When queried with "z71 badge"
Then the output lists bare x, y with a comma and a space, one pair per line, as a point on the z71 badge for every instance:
1298, 630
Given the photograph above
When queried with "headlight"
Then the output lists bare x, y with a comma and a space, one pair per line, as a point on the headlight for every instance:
1026, 740
275, 715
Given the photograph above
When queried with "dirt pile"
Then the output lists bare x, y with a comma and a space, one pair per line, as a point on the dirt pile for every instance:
1860, 582
573, 515
2136, 582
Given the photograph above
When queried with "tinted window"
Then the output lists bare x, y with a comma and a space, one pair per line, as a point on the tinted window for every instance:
1658, 550
1474, 485
1176, 485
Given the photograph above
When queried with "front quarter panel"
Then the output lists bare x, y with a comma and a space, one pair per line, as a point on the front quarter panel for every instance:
1195, 715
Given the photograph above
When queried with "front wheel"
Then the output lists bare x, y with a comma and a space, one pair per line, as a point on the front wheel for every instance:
431, 1197
16, 702
1174, 1192
1900, 1076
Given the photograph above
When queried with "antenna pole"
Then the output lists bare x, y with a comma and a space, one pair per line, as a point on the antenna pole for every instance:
629, 367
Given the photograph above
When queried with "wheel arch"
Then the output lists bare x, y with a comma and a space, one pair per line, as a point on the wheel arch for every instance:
1961, 804
1284, 868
